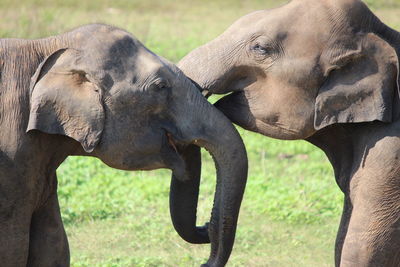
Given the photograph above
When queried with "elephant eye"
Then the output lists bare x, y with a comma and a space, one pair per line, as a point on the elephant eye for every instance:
262, 49
160, 85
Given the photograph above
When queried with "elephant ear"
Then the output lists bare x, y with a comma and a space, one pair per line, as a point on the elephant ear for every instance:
362, 81
64, 101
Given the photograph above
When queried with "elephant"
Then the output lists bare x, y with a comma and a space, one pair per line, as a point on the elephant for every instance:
97, 91
325, 71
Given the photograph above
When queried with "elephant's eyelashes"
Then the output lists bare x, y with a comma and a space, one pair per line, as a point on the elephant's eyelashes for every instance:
159, 85
263, 50
162, 85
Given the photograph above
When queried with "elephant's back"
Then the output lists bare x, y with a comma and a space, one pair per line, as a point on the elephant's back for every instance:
18, 62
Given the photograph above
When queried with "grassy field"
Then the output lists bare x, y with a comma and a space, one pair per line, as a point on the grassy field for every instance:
291, 207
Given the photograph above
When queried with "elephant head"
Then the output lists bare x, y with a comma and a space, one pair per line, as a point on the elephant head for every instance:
136, 111
296, 69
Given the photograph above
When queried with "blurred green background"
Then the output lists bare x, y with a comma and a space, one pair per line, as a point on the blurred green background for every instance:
291, 207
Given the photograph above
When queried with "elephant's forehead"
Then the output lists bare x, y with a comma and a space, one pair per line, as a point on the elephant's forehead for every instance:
297, 17
117, 52
310, 21
113, 54
149, 63
103, 46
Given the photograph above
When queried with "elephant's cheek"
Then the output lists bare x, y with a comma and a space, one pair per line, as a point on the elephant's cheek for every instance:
279, 121
284, 123
281, 131
138, 151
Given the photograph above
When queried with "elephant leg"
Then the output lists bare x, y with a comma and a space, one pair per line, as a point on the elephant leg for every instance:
15, 216
14, 237
373, 234
48, 241
343, 227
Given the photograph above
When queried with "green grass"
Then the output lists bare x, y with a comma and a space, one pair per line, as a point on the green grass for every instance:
289, 213
291, 206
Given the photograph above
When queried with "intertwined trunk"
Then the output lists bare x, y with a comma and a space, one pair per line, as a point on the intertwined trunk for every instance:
213, 131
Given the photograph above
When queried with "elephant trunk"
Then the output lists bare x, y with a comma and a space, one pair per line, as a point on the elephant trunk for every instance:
184, 197
230, 159
216, 134
209, 69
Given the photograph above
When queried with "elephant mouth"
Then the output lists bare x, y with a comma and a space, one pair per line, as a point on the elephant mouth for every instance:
236, 108
236, 81
176, 142
171, 141
173, 144
207, 93
174, 150
171, 154
235, 87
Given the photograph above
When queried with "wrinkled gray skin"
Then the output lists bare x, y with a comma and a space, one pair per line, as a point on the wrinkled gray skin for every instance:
98, 91
325, 71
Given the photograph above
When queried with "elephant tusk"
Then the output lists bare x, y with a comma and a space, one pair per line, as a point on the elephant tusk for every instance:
206, 93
